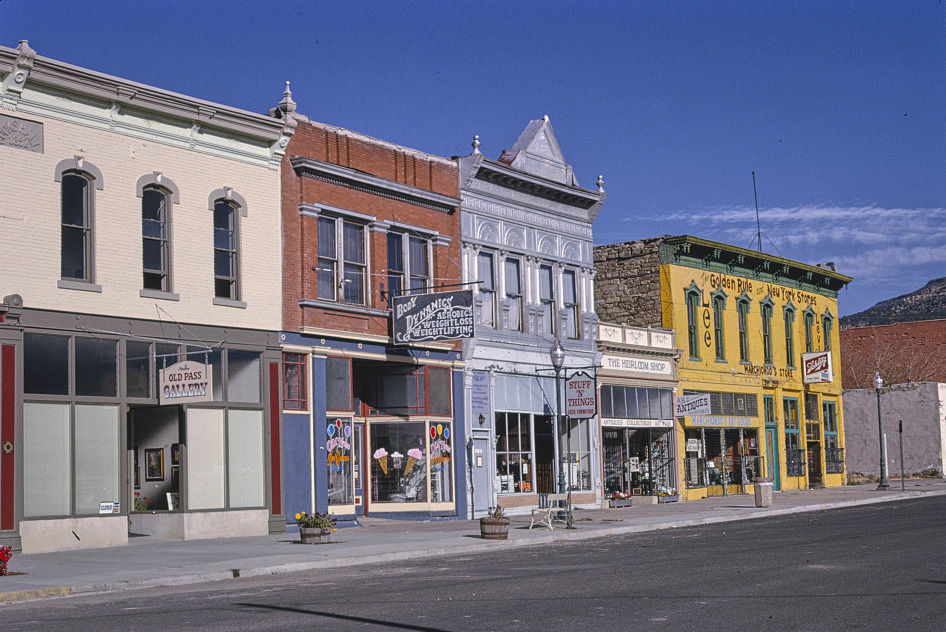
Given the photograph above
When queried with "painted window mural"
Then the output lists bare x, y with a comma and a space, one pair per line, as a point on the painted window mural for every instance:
406, 468
338, 448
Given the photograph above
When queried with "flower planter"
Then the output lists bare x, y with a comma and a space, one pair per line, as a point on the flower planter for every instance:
670, 498
621, 502
314, 535
494, 528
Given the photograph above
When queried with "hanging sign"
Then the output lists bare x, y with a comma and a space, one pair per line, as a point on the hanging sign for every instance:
688, 405
186, 382
816, 367
438, 316
580, 400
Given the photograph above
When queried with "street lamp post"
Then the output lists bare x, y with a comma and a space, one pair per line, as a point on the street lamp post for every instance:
878, 385
557, 355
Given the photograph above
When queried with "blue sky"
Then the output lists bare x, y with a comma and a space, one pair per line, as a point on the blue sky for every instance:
838, 107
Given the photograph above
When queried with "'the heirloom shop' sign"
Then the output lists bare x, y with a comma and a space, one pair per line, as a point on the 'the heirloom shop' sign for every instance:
440, 316
816, 367
186, 382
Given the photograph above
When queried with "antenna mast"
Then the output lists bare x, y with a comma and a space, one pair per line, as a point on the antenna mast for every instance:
757, 223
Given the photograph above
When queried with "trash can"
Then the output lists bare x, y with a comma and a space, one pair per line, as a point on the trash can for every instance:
763, 492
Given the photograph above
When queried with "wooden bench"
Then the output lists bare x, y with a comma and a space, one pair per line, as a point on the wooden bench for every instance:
545, 515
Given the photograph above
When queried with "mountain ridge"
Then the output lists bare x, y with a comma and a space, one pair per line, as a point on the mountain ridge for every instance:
926, 303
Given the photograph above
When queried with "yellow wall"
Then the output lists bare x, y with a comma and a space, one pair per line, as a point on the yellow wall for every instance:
779, 378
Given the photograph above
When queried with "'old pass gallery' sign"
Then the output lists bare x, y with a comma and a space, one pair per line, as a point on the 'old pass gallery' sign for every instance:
186, 382
439, 316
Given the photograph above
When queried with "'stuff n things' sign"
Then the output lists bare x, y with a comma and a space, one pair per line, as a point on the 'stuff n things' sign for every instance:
439, 316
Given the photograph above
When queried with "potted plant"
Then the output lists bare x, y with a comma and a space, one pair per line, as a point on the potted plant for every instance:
495, 525
6, 552
315, 528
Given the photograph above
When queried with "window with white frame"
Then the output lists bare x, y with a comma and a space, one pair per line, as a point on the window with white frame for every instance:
570, 303
486, 276
155, 239
408, 264
76, 261
513, 281
547, 299
226, 250
342, 262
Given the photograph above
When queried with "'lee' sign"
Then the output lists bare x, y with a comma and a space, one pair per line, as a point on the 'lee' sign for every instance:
580, 400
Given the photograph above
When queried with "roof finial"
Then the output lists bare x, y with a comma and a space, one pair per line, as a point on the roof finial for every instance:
476, 144
600, 184
287, 105
546, 118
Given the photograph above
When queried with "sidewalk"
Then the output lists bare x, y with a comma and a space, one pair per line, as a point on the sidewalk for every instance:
150, 562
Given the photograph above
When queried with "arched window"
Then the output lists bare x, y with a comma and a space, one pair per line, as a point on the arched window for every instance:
767, 305
155, 239
76, 259
719, 310
693, 295
827, 324
789, 315
742, 310
226, 250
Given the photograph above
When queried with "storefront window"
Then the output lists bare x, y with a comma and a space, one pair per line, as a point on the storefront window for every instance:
47, 460
576, 439
244, 372
245, 466
338, 447
794, 454
338, 392
441, 463
46, 364
514, 469
638, 461
398, 465
97, 457
731, 455
138, 369
96, 367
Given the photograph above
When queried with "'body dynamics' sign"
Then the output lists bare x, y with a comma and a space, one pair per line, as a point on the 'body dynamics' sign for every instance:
439, 316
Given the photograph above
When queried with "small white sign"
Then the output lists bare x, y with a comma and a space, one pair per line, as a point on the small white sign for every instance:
634, 464
693, 445
689, 405
111, 507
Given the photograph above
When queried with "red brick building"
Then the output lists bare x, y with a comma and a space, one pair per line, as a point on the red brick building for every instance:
368, 424
901, 352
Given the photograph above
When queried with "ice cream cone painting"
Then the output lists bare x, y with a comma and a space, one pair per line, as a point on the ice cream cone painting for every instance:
382, 456
412, 455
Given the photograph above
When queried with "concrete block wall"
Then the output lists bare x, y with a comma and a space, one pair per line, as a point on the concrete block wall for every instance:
921, 407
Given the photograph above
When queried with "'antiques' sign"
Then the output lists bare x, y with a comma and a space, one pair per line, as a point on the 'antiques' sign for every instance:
186, 382
688, 405
580, 400
439, 316
816, 367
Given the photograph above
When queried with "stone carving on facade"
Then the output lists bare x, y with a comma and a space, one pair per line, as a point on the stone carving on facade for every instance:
515, 238
488, 232
546, 245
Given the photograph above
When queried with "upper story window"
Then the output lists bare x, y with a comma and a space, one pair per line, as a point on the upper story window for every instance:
512, 278
789, 315
294, 381
767, 331
827, 324
76, 262
486, 275
343, 269
692, 295
809, 330
547, 299
155, 238
408, 264
742, 310
719, 310
226, 251
570, 303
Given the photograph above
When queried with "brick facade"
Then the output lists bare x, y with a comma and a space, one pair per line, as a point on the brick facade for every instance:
902, 352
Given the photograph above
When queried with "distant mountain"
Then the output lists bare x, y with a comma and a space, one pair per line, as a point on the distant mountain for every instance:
927, 303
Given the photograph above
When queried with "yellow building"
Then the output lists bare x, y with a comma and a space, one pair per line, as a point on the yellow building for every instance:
757, 393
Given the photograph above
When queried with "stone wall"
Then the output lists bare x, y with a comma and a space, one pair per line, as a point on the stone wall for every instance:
627, 283
921, 407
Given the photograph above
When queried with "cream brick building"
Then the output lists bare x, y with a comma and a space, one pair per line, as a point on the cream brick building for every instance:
139, 228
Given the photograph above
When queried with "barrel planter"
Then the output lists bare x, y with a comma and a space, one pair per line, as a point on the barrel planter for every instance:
314, 535
494, 528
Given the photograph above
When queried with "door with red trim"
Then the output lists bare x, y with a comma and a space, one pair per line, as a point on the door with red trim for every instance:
7, 435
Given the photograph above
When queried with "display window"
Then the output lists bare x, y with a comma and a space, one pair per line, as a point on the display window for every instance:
638, 462
722, 456
411, 463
